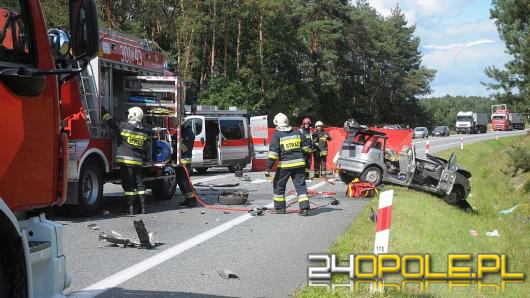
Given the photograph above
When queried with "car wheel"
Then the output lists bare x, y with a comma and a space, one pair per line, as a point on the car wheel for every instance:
90, 188
373, 175
457, 194
345, 177
164, 189
201, 170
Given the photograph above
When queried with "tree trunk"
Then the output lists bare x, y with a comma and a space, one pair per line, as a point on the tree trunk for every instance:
261, 58
190, 42
204, 64
238, 45
225, 51
212, 55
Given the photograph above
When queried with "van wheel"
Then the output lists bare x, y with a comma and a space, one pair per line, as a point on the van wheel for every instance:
373, 175
90, 188
456, 195
201, 170
345, 177
164, 189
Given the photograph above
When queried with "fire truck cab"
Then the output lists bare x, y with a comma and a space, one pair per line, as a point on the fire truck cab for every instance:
222, 138
127, 72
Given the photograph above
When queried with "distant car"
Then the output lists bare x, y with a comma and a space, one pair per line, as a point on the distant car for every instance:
363, 154
441, 131
393, 126
420, 132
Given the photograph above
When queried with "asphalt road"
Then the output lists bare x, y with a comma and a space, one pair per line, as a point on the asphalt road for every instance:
267, 253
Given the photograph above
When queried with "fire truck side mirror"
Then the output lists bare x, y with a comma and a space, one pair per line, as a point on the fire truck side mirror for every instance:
84, 29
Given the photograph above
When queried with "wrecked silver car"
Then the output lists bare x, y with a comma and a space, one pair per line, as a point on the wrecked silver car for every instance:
364, 155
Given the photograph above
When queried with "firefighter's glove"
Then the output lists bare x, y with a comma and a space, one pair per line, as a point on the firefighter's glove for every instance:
268, 173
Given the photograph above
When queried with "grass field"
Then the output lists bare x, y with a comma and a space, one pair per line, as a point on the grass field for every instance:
425, 224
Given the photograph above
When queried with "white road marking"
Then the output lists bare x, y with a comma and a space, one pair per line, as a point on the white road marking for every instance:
151, 262
474, 139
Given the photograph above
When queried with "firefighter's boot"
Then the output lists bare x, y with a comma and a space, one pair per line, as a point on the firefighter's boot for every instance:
304, 212
278, 211
129, 210
142, 204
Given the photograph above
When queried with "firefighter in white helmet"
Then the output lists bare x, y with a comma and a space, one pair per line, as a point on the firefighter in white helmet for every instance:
320, 142
131, 155
287, 148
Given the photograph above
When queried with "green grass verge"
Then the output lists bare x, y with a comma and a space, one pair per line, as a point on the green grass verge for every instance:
422, 223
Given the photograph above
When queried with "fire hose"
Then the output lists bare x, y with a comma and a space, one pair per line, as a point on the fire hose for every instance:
259, 210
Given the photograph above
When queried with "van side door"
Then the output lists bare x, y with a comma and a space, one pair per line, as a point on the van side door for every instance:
233, 141
198, 127
259, 133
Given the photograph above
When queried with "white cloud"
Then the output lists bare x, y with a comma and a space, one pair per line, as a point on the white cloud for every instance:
456, 46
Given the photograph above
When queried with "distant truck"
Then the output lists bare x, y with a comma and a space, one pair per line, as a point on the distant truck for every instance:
471, 122
502, 119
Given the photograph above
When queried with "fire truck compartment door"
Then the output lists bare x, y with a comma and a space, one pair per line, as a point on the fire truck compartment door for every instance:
233, 141
259, 132
198, 126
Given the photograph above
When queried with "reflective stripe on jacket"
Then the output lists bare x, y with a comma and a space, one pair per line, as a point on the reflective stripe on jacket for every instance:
287, 147
131, 149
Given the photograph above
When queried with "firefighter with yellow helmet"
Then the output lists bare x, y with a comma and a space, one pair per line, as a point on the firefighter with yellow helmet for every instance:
287, 149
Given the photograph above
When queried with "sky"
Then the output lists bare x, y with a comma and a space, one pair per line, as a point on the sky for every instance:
458, 39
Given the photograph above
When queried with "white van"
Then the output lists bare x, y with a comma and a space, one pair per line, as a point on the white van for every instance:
222, 139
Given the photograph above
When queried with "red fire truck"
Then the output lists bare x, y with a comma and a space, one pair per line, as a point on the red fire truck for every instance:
34, 151
127, 72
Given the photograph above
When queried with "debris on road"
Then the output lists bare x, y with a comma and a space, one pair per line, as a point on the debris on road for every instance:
93, 227
335, 202
226, 212
257, 211
245, 178
508, 211
145, 239
227, 274
260, 181
200, 184
493, 233
473, 233
233, 198
202, 212
117, 239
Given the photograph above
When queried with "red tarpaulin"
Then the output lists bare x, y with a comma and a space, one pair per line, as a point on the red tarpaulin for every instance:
397, 138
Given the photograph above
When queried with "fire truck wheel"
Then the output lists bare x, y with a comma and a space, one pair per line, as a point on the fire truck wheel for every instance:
373, 175
90, 188
201, 170
164, 189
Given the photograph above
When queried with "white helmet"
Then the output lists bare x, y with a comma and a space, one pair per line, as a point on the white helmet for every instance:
281, 120
319, 123
135, 114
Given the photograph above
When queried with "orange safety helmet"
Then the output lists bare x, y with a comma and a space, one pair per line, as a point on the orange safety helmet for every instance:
306, 121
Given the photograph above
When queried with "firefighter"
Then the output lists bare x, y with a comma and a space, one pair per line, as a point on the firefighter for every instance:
130, 156
287, 148
183, 173
306, 131
186, 152
320, 141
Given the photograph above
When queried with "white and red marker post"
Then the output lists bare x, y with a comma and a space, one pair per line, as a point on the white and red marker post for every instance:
427, 147
384, 216
461, 143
